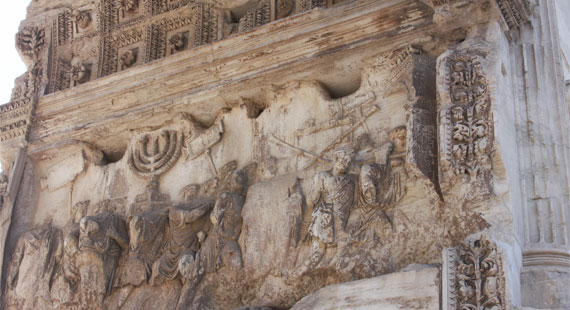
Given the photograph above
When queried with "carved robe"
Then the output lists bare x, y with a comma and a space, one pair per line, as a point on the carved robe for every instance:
106, 243
32, 268
383, 184
147, 235
335, 197
221, 247
183, 238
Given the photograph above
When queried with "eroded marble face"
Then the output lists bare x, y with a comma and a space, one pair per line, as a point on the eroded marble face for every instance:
342, 160
88, 227
398, 137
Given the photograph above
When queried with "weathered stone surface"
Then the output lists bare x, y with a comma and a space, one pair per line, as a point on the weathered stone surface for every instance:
178, 154
384, 292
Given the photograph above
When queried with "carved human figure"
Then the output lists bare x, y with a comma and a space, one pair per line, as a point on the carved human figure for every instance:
147, 233
32, 268
461, 133
220, 247
191, 274
458, 116
383, 182
66, 285
128, 59
185, 221
101, 240
332, 196
458, 77
70, 252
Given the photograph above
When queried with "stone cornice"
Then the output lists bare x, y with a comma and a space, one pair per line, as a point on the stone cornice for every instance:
192, 80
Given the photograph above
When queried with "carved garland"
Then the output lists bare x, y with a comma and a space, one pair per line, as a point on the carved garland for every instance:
470, 140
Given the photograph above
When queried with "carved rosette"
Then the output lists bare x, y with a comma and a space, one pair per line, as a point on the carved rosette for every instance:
474, 275
153, 154
468, 125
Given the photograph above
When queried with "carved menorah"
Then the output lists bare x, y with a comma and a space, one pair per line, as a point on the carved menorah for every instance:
152, 155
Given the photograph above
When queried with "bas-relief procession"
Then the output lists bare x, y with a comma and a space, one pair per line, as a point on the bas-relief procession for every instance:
288, 154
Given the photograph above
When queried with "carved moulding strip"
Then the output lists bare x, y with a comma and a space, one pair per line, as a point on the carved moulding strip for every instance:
14, 118
306, 5
161, 6
473, 277
256, 17
467, 120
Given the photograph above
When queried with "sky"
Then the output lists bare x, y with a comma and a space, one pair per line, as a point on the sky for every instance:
12, 66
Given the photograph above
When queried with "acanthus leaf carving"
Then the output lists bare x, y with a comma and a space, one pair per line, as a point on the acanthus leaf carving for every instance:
31, 41
469, 120
475, 276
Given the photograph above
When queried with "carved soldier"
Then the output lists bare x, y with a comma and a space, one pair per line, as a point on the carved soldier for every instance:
332, 196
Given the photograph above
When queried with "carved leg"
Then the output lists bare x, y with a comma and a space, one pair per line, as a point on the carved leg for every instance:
318, 249
188, 292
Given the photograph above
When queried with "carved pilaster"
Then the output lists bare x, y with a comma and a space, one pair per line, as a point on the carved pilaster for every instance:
543, 138
473, 276
466, 121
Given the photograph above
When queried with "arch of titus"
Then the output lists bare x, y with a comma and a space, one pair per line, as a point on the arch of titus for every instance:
288, 154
